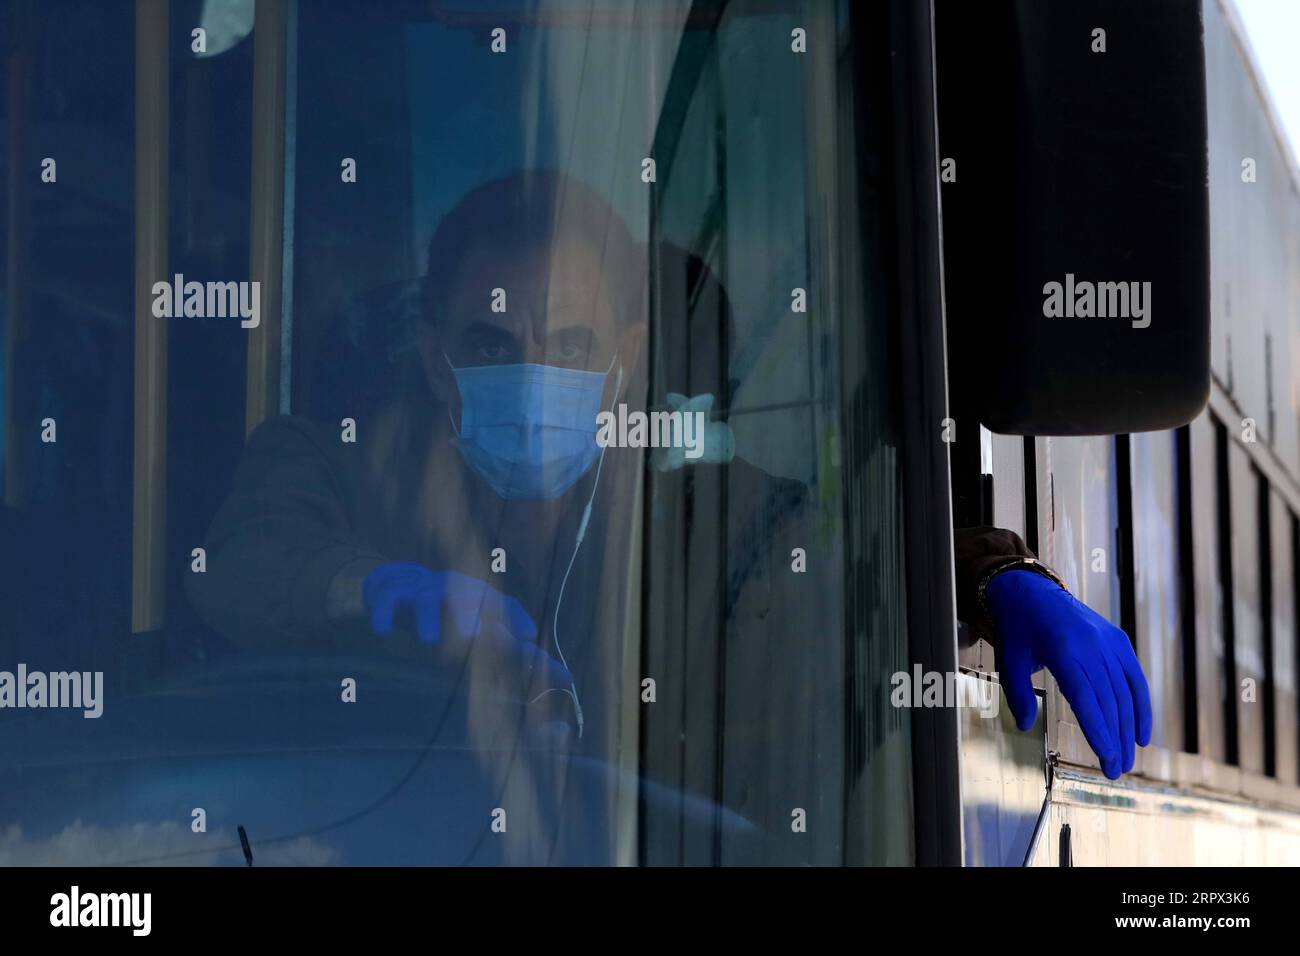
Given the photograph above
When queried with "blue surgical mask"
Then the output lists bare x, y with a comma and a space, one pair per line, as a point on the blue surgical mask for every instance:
529, 431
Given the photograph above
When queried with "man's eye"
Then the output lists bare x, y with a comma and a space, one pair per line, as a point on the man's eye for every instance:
492, 353
569, 352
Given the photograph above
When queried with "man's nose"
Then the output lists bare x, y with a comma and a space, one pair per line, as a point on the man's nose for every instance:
534, 352
535, 343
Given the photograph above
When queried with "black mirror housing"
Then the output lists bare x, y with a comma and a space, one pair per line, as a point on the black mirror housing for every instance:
1075, 204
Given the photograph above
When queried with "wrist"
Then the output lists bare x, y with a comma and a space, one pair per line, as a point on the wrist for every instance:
1027, 565
346, 596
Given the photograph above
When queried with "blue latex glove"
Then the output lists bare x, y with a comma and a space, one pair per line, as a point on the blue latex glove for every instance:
475, 608
1038, 624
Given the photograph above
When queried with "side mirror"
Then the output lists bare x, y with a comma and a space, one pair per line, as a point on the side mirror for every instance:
1075, 202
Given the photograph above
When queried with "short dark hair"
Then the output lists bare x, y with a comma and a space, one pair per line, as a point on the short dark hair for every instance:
529, 209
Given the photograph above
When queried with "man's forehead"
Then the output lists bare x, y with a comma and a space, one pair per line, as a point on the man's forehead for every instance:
535, 261
512, 292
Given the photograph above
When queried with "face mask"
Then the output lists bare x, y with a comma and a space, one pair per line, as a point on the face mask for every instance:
529, 431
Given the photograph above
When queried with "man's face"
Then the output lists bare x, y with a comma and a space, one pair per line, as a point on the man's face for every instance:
557, 311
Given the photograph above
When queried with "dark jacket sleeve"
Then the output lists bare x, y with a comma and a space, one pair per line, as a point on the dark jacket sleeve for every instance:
978, 552
277, 543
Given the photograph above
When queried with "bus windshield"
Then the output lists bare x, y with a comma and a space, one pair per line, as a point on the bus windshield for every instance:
540, 505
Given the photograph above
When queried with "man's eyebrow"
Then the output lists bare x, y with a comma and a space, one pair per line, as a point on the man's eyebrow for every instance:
569, 330
481, 329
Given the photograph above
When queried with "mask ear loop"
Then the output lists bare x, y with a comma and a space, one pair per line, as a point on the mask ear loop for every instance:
572, 690
455, 430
